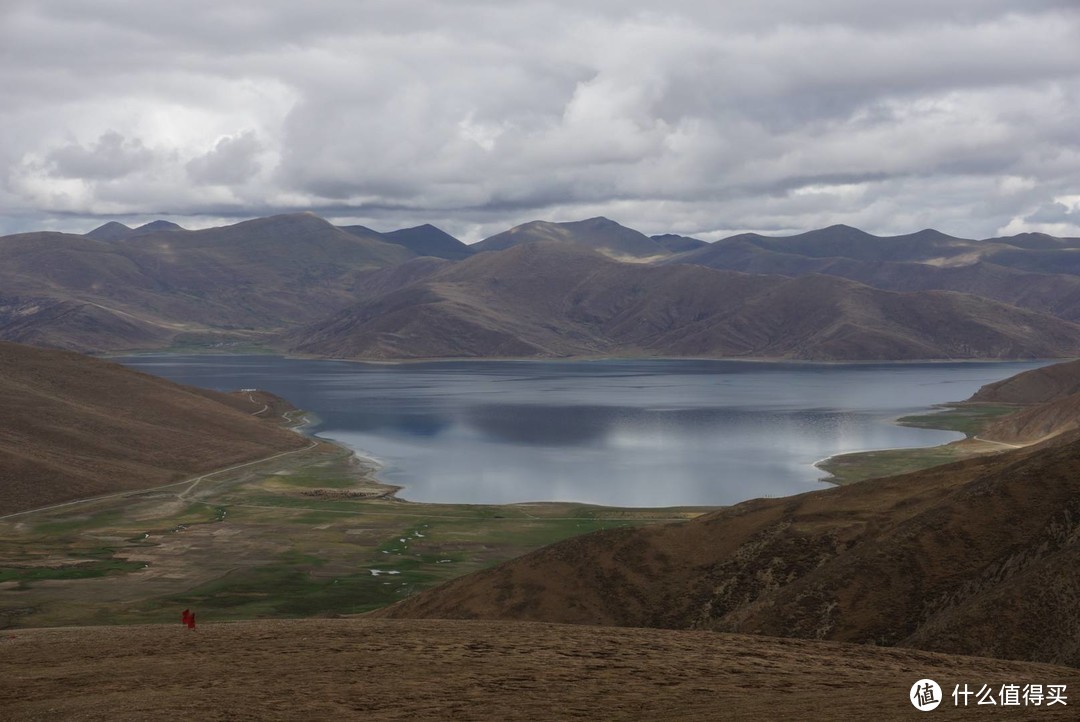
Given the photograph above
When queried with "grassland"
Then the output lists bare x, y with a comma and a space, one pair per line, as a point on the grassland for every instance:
968, 419
314, 534
310, 534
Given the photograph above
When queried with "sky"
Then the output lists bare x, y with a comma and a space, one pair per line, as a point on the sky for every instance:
699, 118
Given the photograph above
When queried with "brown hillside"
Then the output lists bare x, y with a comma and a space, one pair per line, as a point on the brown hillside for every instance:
1037, 423
383, 670
1056, 294
554, 299
979, 557
75, 427
597, 234
157, 285
924, 261
77, 326
1032, 387
1027, 251
1055, 410
256, 276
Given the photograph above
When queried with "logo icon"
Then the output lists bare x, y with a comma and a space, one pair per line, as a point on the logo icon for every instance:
925, 695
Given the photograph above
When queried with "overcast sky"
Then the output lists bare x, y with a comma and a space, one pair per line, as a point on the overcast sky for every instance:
703, 118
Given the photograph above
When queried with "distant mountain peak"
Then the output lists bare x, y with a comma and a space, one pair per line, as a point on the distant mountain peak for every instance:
679, 244
429, 240
929, 233
597, 233
841, 229
111, 231
157, 227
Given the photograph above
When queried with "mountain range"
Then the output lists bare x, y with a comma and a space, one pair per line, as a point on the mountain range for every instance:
297, 283
553, 299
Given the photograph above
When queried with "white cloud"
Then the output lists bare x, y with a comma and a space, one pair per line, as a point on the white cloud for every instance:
692, 117
111, 156
232, 160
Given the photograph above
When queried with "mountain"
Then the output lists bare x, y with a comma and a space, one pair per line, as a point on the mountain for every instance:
155, 227
922, 261
679, 244
111, 231
76, 326
324, 290
1033, 252
1037, 423
555, 299
75, 427
842, 241
847, 242
427, 240
598, 234
1041, 385
442, 670
1051, 397
978, 557
149, 289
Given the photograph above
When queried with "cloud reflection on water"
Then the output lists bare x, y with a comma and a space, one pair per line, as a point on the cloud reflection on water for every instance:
632, 433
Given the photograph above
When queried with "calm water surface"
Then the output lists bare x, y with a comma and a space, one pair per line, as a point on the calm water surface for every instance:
626, 433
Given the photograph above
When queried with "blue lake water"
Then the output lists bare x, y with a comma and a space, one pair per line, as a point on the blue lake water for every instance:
626, 432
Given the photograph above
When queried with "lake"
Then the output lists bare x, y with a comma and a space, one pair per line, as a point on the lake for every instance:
618, 432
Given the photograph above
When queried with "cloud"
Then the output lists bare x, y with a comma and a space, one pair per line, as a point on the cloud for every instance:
232, 160
696, 117
1052, 213
111, 156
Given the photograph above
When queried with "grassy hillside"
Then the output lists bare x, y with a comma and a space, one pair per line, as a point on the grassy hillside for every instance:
75, 427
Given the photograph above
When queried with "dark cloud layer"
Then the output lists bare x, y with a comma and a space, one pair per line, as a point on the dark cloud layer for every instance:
690, 117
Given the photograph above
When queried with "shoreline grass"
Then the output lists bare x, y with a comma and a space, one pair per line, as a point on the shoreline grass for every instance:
311, 534
966, 418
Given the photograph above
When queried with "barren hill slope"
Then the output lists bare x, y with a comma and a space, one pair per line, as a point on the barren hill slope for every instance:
553, 299
1048, 383
77, 325
902, 263
251, 277
75, 427
597, 234
978, 557
1036, 423
439, 670
1050, 395
427, 240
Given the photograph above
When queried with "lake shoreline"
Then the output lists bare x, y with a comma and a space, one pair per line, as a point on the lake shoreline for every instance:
601, 431
272, 353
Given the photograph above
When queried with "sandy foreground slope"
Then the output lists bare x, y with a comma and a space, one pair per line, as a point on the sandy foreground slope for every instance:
434, 669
